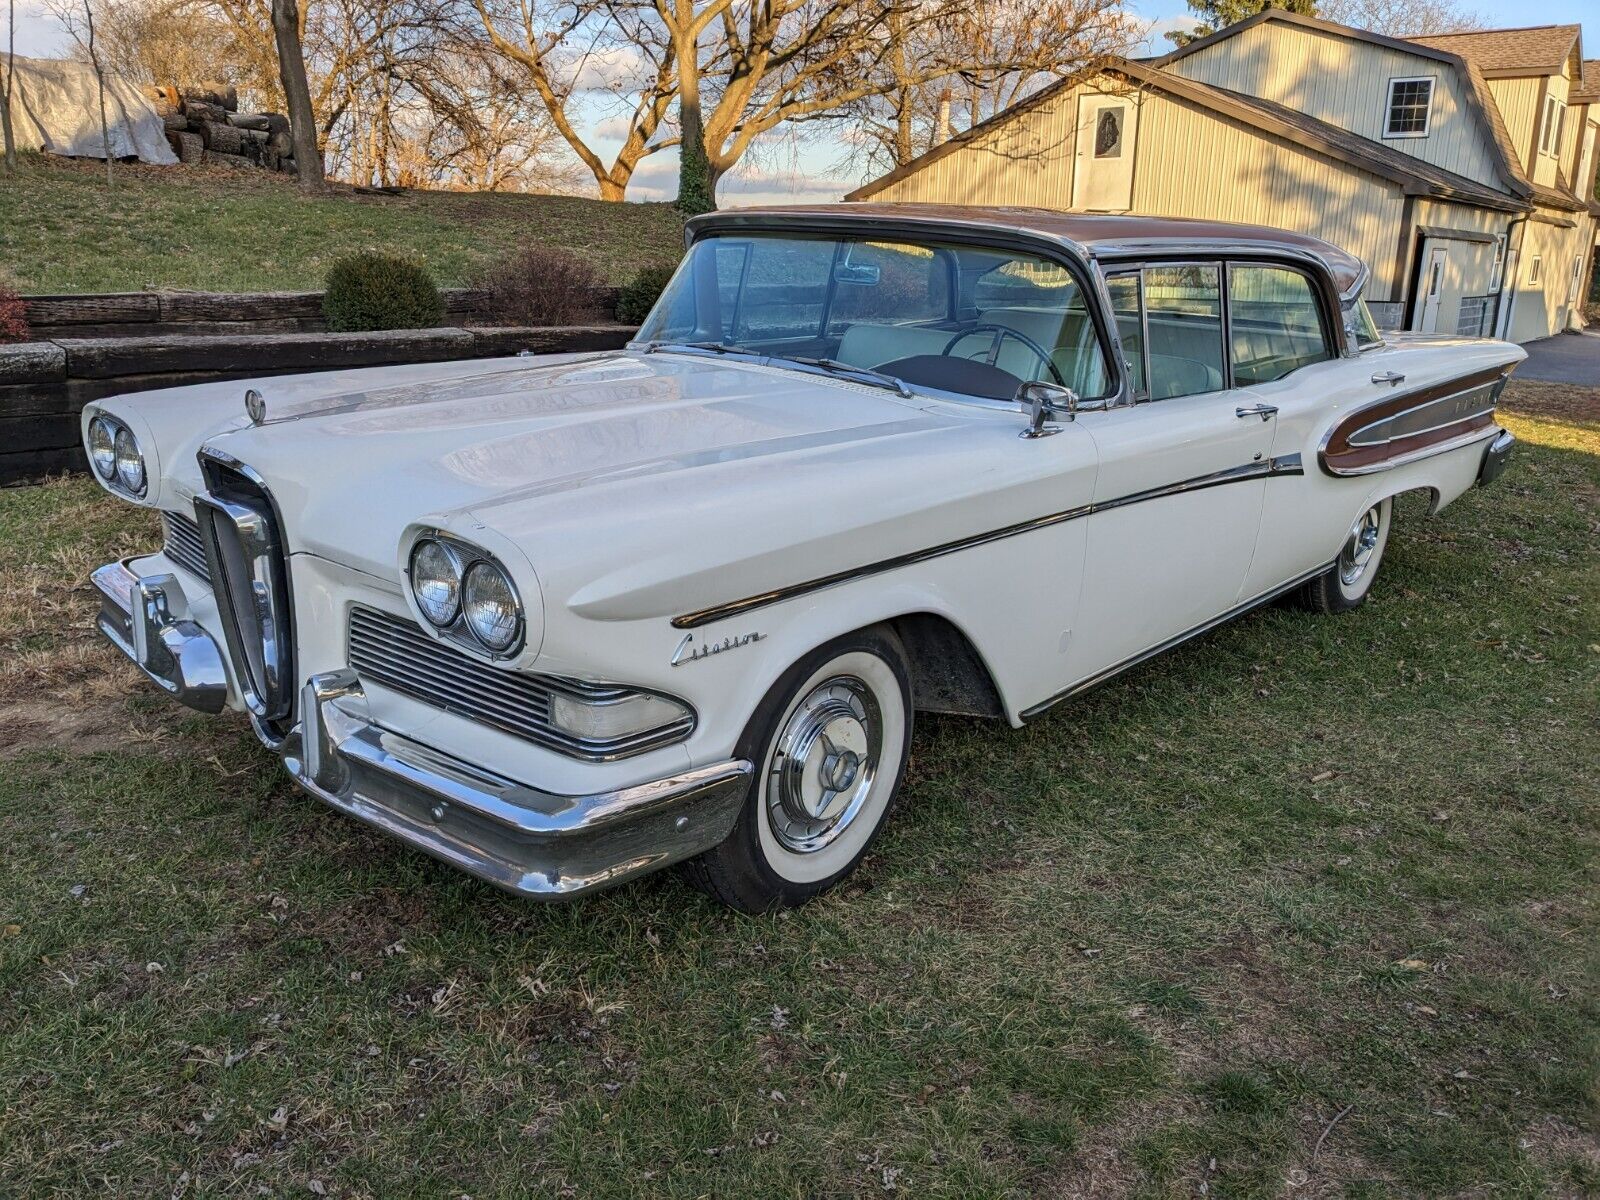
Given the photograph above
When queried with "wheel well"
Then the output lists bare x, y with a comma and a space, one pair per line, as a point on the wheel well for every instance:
948, 674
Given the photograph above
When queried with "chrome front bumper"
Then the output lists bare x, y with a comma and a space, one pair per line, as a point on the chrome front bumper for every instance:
527, 841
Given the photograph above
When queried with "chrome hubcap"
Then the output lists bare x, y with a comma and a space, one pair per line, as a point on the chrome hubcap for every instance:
824, 764
1359, 546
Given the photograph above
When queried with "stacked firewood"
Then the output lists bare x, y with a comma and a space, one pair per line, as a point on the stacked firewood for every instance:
204, 125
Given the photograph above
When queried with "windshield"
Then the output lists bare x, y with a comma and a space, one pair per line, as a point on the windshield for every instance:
970, 320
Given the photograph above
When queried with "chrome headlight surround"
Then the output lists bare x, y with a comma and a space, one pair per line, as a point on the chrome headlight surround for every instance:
452, 621
116, 456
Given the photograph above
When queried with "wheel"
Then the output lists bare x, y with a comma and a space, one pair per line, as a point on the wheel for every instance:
1345, 584
830, 743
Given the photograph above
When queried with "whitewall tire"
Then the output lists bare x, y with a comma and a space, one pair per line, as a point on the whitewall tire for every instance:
829, 744
1345, 584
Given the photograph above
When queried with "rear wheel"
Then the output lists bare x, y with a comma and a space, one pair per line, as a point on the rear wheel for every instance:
1345, 584
830, 744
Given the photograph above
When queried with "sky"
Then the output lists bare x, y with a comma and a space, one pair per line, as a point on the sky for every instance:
790, 171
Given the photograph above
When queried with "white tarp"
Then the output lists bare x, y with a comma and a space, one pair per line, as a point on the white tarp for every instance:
56, 107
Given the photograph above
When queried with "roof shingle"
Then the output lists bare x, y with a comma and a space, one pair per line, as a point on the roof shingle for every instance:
1538, 51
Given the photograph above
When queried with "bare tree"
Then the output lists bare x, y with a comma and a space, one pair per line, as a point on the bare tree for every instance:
78, 22
960, 71
5, 92
1398, 18
568, 47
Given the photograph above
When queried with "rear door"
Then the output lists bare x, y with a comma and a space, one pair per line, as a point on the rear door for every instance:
1182, 473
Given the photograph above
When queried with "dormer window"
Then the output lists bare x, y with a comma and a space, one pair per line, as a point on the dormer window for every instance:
1410, 107
1550, 133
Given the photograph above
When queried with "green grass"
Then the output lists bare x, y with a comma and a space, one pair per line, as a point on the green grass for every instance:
215, 229
1305, 907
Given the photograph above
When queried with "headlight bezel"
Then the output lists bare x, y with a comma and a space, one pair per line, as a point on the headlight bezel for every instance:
466, 556
130, 483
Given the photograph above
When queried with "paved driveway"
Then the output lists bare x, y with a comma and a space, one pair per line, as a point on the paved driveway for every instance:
1565, 358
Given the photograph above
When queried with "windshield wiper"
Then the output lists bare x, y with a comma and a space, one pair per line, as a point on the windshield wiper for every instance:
708, 347
865, 374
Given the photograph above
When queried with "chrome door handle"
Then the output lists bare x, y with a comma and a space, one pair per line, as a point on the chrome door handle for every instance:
1392, 378
1265, 411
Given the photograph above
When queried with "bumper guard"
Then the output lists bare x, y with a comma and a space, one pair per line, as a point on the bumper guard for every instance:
146, 617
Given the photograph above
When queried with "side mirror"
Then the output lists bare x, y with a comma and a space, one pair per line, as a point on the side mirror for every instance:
1044, 401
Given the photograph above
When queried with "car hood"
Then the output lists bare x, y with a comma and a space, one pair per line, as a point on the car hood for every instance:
351, 471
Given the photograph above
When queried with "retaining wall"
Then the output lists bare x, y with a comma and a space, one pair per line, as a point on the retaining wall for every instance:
45, 384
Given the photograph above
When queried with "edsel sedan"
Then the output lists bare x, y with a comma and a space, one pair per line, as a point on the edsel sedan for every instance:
561, 621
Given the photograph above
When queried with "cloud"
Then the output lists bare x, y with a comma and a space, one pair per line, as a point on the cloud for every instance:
610, 69
1154, 35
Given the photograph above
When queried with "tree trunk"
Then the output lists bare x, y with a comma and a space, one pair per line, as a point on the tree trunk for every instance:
292, 72
697, 187
5, 93
612, 190
100, 91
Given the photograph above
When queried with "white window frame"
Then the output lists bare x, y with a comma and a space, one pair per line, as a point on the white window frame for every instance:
1427, 112
1550, 135
1497, 271
1535, 270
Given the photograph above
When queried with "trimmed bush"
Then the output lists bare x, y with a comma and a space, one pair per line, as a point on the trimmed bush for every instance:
13, 316
638, 296
380, 291
542, 285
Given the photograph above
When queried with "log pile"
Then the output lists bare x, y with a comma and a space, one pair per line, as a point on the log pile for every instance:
204, 125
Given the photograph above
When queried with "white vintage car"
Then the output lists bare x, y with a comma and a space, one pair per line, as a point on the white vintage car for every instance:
561, 621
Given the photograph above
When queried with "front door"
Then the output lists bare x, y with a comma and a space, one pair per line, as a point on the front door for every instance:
1433, 289
1102, 179
1182, 474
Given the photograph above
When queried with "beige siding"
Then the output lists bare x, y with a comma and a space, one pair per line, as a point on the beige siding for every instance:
1518, 101
1346, 83
1188, 163
1540, 307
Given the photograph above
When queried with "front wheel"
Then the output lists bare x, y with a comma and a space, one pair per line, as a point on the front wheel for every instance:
1345, 584
830, 744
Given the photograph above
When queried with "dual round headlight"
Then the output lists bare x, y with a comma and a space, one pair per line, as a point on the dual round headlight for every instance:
458, 587
115, 454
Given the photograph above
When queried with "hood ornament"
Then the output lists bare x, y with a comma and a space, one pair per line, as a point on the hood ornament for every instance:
255, 406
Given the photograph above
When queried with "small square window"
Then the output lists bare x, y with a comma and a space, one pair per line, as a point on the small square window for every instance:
1410, 105
1108, 133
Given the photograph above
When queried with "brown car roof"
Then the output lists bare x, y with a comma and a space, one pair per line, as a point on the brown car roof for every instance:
1094, 234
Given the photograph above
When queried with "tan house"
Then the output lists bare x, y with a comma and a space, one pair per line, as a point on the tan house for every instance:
1461, 168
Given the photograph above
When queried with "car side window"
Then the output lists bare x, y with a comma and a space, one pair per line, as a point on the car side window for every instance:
1274, 323
1183, 322
1127, 307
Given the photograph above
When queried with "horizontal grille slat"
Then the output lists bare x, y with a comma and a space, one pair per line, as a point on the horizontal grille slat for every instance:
397, 653
181, 543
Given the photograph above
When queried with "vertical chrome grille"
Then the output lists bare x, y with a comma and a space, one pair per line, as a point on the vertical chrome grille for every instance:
249, 569
181, 543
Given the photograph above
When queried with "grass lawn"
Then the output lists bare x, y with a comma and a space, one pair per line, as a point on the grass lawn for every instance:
218, 229
1307, 907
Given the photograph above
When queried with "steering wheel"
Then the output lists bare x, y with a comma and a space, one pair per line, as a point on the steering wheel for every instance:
1000, 334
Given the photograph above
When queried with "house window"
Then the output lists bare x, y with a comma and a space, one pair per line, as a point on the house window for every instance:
1536, 270
1410, 105
1108, 133
1550, 133
1498, 270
